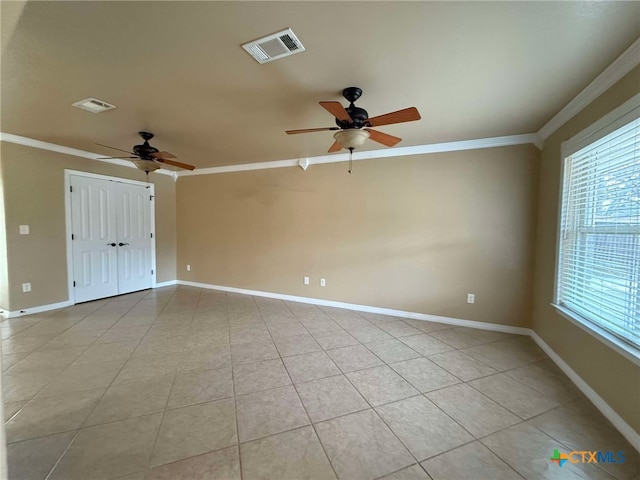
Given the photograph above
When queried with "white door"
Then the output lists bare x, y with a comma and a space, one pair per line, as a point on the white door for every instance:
133, 205
111, 237
94, 239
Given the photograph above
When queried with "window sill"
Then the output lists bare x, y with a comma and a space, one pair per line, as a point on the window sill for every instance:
623, 348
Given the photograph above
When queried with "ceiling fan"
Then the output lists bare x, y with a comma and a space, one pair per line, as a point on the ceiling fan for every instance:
148, 158
354, 125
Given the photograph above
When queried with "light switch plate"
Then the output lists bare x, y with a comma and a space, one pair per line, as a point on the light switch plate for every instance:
24, 229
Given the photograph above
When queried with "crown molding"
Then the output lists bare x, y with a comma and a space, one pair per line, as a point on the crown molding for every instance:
492, 142
52, 147
614, 72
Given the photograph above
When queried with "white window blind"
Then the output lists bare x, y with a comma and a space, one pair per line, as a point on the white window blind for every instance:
599, 249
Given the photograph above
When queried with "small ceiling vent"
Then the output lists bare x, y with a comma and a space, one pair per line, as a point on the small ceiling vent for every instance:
274, 47
93, 105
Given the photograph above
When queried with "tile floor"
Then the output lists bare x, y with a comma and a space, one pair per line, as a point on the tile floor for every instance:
183, 383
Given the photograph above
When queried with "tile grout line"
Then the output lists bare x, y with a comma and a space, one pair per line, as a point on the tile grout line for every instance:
57, 462
85, 420
383, 421
333, 468
299, 400
39, 349
101, 397
235, 401
164, 411
374, 412
35, 397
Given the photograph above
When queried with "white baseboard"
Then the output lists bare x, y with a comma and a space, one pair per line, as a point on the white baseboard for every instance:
623, 427
364, 308
168, 283
32, 310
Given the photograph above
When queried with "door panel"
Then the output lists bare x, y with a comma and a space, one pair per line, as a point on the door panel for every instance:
94, 228
134, 233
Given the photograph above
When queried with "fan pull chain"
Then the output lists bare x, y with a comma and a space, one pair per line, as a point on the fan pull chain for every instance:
351, 160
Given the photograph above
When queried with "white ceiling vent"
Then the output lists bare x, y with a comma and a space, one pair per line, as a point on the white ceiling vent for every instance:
275, 46
93, 105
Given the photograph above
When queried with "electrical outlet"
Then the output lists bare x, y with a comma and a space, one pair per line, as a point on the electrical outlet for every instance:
323, 282
24, 229
471, 297
306, 280
26, 287
188, 268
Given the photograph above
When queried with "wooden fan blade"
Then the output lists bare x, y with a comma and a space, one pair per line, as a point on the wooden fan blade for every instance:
383, 138
337, 110
335, 147
406, 115
114, 148
308, 130
106, 158
163, 155
186, 166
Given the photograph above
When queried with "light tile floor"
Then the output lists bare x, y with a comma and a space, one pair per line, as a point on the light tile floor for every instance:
183, 383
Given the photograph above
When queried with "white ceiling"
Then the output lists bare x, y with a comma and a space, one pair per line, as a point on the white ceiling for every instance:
474, 70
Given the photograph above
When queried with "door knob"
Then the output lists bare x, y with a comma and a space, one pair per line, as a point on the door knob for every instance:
111, 244
122, 244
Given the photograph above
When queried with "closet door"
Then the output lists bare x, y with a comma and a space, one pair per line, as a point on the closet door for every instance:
133, 206
94, 240
111, 239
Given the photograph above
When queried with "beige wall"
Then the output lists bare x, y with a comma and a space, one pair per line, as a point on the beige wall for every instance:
414, 233
4, 279
33, 182
612, 376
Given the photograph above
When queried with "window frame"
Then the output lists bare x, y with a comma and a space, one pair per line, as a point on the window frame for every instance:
622, 115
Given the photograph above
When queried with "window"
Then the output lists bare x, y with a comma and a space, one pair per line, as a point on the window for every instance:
599, 239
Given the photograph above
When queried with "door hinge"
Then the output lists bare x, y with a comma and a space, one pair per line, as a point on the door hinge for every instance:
151, 272
73, 237
74, 283
150, 197
70, 188
152, 235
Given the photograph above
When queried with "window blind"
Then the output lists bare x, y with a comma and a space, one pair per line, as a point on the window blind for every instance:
599, 249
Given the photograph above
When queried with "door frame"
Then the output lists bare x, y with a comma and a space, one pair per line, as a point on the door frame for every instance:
68, 227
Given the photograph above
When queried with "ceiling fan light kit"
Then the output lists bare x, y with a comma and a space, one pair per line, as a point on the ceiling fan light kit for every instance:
147, 166
351, 138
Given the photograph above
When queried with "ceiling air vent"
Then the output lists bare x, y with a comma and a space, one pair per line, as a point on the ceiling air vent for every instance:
93, 105
273, 47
